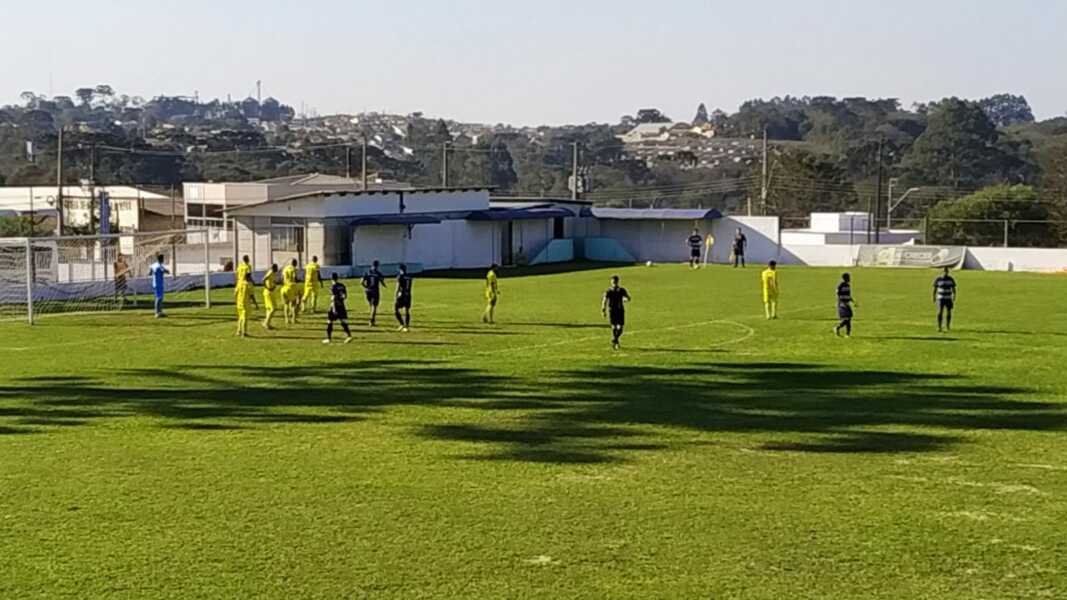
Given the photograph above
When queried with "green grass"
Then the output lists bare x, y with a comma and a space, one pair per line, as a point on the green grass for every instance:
718, 455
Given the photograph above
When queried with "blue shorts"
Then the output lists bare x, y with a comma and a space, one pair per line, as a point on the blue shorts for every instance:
844, 311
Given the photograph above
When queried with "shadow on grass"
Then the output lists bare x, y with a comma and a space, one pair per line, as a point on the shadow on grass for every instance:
588, 415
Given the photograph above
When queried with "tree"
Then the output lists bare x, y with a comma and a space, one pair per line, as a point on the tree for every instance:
651, 115
501, 167
953, 221
961, 147
29, 98
271, 110
702, 115
85, 95
1007, 109
105, 92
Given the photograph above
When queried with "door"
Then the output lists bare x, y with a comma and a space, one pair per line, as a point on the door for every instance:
507, 255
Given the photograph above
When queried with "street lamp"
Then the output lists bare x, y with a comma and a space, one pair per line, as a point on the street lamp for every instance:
891, 205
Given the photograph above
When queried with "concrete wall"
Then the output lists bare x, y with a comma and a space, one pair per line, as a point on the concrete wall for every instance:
455, 244
761, 232
531, 236
818, 256
1016, 259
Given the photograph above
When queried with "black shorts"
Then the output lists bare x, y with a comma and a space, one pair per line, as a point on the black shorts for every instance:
373, 297
617, 317
695, 253
739, 252
121, 286
844, 311
337, 313
403, 301
945, 303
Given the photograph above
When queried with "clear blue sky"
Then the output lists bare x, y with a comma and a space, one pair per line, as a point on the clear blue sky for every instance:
547, 61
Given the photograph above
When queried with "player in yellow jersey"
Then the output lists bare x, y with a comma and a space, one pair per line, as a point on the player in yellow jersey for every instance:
769, 277
244, 271
242, 293
290, 294
270, 283
312, 284
492, 294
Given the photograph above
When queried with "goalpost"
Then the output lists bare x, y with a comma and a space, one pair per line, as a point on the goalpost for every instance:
77, 274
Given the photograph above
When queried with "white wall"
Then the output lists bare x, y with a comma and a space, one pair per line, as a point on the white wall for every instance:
840, 255
761, 232
454, 244
1016, 259
531, 235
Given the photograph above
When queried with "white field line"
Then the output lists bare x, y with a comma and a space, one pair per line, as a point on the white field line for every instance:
748, 333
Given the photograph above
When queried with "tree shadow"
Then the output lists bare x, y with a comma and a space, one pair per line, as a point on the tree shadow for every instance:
825, 410
599, 414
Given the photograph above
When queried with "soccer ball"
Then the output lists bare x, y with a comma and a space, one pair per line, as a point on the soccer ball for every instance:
648, 264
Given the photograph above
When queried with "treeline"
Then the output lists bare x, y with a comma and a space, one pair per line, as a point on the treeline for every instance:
825, 153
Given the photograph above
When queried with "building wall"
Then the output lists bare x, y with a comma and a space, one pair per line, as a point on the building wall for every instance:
1016, 259
761, 233
455, 244
314, 239
357, 205
837, 255
530, 236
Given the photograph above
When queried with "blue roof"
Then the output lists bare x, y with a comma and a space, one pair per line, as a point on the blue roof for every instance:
518, 214
395, 219
653, 214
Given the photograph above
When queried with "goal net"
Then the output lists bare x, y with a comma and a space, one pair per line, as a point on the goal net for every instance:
40, 276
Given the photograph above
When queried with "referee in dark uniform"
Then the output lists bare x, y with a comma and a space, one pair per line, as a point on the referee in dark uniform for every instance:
338, 312
614, 307
694, 242
403, 298
373, 281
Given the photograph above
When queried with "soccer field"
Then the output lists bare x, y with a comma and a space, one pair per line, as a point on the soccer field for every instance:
717, 455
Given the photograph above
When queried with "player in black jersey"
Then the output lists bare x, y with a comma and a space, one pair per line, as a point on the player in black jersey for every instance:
403, 298
694, 242
373, 281
338, 311
614, 307
845, 302
945, 298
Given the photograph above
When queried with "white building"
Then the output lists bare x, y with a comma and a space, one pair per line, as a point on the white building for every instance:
132, 208
427, 228
845, 228
206, 203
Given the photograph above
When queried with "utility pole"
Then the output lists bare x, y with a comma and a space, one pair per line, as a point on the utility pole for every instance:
763, 178
878, 198
574, 171
364, 163
92, 188
348, 162
444, 164
59, 184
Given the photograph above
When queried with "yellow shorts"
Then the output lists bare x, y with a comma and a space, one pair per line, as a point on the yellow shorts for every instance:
268, 300
242, 312
289, 294
310, 291
770, 298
